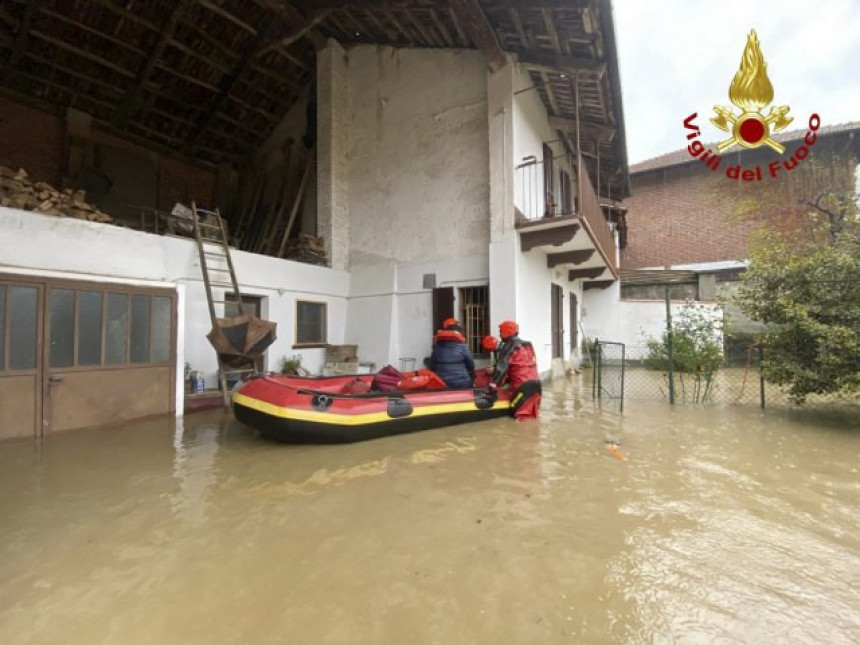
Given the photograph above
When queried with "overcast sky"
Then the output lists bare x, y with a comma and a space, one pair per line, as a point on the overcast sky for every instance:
679, 56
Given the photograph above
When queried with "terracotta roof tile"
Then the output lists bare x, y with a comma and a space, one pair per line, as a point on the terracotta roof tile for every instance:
680, 157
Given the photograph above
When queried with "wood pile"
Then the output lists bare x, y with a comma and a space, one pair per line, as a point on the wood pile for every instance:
307, 249
17, 191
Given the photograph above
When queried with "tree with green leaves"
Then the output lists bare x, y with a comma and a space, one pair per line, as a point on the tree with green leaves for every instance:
808, 296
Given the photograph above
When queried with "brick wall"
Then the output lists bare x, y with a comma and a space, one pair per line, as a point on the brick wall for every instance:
678, 215
36, 141
688, 214
32, 140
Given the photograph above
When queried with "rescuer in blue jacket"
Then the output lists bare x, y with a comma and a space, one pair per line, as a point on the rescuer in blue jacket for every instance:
451, 358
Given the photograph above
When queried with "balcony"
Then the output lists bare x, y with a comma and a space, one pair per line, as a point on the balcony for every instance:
562, 218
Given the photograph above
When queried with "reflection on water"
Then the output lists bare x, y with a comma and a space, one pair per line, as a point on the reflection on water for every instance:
722, 526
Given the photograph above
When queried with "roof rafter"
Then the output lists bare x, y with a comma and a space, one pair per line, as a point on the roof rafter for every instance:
123, 113
228, 82
474, 22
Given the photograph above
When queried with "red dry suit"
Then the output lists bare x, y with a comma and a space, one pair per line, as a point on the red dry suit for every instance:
517, 365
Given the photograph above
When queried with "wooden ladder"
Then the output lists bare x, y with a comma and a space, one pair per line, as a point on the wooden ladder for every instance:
214, 247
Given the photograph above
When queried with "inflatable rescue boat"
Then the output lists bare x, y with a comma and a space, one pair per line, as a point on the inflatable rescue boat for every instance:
326, 410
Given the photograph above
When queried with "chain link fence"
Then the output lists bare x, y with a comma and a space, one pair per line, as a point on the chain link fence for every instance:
622, 372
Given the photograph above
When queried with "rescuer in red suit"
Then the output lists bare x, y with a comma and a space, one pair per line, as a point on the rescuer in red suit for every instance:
516, 366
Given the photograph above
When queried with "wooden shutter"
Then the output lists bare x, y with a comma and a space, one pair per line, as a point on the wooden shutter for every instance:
557, 329
574, 324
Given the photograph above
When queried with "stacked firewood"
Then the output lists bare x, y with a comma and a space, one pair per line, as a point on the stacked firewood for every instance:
16, 191
306, 248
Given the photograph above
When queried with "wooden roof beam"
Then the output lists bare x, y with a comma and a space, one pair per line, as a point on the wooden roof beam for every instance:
21, 36
559, 64
287, 9
298, 34
606, 132
123, 113
228, 82
526, 5
472, 20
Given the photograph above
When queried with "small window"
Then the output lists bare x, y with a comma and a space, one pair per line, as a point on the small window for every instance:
310, 323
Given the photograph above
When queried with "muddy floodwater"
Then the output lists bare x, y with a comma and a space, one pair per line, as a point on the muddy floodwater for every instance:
706, 525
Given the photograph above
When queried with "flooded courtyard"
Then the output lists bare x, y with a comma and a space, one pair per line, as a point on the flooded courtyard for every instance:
704, 525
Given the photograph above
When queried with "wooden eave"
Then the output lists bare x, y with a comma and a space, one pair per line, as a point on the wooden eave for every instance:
213, 78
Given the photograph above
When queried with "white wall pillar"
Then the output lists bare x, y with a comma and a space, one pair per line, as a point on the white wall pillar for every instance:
504, 245
332, 169
500, 108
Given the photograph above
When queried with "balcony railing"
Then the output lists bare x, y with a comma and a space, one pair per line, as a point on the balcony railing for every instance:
592, 215
539, 196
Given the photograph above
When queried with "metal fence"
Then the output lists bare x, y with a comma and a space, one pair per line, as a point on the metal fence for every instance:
622, 372
609, 362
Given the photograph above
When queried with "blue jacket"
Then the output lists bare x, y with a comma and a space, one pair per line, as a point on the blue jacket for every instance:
452, 361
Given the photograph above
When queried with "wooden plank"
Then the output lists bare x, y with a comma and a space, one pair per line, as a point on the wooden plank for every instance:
227, 83
276, 209
588, 274
298, 202
297, 34
214, 8
606, 132
570, 257
90, 30
558, 63
123, 113
473, 21
288, 9
597, 284
547, 237
81, 52
464, 41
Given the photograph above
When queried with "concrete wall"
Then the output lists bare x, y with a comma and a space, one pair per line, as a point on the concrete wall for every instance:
42, 245
632, 322
415, 183
417, 151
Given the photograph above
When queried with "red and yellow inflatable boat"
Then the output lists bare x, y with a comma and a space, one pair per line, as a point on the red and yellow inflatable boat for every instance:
315, 410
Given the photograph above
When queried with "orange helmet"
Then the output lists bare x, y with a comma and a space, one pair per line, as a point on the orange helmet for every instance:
508, 328
449, 322
490, 343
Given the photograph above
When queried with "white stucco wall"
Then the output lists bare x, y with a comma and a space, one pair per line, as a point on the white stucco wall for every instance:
417, 186
74, 249
417, 150
633, 322
534, 305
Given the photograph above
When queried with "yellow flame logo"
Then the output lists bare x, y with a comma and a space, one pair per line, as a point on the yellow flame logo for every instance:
751, 90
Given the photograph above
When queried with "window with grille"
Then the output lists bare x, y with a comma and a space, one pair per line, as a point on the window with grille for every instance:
475, 316
311, 323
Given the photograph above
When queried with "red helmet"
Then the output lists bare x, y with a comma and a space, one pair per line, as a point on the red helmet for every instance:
449, 322
490, 343
508, 328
